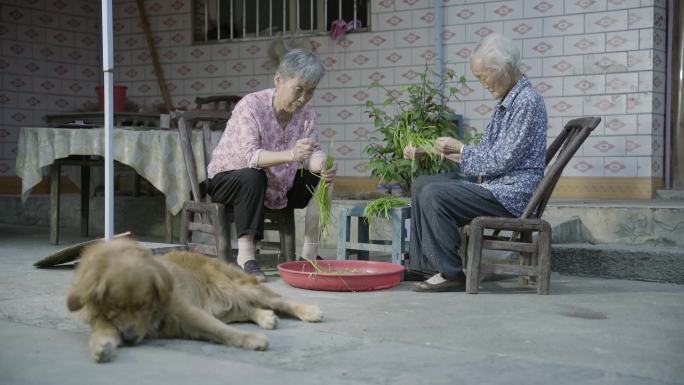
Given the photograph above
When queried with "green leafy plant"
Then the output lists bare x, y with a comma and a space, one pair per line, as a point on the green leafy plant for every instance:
420, 118
380, 208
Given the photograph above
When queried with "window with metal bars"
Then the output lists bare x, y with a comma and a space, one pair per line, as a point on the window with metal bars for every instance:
221, 20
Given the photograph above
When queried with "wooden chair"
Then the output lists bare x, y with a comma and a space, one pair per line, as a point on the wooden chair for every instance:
535, 256
217, 102
215, 218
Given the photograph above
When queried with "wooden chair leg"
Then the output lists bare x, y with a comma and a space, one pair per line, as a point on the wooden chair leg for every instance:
54, 202
363, 235
343, 235
222, 243
544, 247
185, 221
85, 199
474, 259
287, 235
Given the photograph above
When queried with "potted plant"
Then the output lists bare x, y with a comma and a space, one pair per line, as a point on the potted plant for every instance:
420, 118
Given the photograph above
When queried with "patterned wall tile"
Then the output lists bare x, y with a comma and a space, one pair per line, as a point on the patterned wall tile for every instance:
604, 146
605, 63
423, 18
584, 44
394, 21
641, 18
584, 85
620, 125
622, 41
550, 86
478, 31
644, 166
605, 105
543, 8
563, 66
465, 14
504, 10
564, 106
377, 40
528, 28
639, 145
622, 4
584, 166
563, 25
620, 166
622, 82
366, 59
413, 37
401, 5
584, 6
545, 47
606, 21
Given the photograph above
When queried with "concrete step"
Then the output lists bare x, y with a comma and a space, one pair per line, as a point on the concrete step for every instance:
636, 262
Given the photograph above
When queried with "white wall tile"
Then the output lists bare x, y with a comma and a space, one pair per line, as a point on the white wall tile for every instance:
544, 47
564, 25
605, 63
604, 146
584, 6
564, 106
605, 21
605, 105
532, 67
622, 4
622, 41
638, 145
622, 83
528, 28
620, 125
478, 31
462, 14
641, 18
563, 66
548, 86
584, 44
504, 10
584, 85
640, 103
620, 166
542, 8
584, 166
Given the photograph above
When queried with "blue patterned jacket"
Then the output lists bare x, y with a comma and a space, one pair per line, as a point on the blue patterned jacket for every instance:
511, 155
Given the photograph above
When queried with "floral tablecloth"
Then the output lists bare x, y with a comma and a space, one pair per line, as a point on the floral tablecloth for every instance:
154, 154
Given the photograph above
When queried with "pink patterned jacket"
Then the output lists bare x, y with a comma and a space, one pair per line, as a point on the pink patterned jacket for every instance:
253, 128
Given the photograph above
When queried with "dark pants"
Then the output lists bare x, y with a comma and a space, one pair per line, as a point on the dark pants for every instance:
439, 205
243, 191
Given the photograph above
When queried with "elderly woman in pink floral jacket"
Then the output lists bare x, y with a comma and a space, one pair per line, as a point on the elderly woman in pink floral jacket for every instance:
270, 135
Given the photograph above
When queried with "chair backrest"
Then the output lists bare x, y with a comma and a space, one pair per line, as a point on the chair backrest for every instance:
217, 102
562, 149
186, 121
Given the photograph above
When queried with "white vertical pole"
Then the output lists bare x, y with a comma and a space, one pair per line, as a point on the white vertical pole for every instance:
298, 25
257, 18
232, 16
244, 19
284, 18
325, 21
108, 70
270, 18
218, 20
311, 15
439, 47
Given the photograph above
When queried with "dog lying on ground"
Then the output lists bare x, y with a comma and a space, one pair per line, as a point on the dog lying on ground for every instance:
127, 294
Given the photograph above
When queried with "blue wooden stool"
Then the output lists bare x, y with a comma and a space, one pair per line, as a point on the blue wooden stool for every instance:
397, 246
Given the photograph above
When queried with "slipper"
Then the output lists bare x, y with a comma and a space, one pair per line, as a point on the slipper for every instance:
252, 268
411, 275
441, 285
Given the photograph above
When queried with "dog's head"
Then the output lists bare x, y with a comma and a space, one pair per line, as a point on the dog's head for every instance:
120, 283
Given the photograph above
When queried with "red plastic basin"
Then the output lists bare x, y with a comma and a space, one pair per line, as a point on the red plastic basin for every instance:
341, 275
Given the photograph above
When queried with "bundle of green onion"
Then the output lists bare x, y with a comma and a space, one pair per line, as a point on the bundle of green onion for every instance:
322, 197
381, 207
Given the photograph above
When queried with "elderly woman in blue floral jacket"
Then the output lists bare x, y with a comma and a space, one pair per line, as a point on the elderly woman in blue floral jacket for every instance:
510, 159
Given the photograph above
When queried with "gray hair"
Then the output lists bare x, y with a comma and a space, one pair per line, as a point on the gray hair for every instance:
498, 53
303, 64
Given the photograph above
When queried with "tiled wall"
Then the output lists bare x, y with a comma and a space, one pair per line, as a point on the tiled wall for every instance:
49, 64
586, 57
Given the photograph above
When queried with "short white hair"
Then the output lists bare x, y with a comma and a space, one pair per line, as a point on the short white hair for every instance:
303, 64
497, 52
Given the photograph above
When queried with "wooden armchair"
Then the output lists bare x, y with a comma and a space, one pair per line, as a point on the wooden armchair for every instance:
535, 255
212, 218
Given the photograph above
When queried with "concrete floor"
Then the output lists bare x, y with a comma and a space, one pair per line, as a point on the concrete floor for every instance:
589, 331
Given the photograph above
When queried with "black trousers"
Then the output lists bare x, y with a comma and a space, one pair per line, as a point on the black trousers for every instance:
439, 205
243, 191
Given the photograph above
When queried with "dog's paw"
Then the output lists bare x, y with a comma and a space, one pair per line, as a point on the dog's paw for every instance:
309, 313
266, 319
103, 352
253, 341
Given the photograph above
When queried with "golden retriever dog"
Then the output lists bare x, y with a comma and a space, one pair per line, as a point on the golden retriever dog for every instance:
126, 294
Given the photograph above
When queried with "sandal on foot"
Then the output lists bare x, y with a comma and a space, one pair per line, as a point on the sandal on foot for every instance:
251, 267
439, 284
